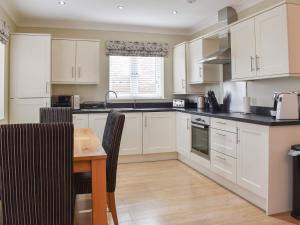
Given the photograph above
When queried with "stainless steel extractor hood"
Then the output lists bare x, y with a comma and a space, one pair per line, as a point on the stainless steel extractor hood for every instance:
223, 55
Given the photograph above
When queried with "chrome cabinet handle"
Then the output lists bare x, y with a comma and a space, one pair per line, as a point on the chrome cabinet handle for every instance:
251, 62
79, 71
47, 87
73, 70
146, 121
221, 157
257, 62
223, 123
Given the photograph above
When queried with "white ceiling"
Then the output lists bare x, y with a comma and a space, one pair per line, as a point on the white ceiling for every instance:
141, 15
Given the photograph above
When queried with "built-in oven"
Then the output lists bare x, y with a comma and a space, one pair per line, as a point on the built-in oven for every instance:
200, 136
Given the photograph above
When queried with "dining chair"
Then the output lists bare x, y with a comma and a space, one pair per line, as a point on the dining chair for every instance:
36, 174
111, 144
56, 115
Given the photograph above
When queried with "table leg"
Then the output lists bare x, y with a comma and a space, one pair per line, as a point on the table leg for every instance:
99, 204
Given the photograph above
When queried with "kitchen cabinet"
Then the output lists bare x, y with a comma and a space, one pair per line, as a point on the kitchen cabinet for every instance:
30, 58
26, 110
132, 138
97, 123
132, 141
200, 73
224, 142
252, 158
271, 29
75, 61
159, 132
81, 120
223, 165
183, 134
243, 50
267, 45
179, 69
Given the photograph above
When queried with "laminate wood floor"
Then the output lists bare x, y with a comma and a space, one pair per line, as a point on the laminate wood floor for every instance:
170, 193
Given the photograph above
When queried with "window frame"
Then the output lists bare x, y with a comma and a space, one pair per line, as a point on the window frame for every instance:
162, 82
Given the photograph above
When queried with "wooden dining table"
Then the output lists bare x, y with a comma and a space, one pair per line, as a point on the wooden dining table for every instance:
90, 157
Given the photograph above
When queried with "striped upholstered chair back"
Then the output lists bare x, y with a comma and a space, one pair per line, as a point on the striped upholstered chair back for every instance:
111, 144
36, 174
56, 115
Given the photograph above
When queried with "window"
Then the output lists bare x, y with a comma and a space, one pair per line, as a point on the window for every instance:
136, 77
2, 93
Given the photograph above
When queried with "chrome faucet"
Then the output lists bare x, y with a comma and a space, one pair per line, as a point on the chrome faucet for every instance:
106, 95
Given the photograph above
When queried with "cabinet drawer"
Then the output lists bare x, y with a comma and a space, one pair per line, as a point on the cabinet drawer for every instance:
224, 142
223, 165
222, 124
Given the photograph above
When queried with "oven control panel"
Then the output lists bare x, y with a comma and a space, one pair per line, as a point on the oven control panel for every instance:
201, 119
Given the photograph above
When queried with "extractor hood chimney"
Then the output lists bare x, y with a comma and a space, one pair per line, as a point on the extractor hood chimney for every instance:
226, 16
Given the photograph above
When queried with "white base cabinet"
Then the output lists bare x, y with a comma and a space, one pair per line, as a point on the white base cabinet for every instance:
183, 134
252, 158
26, 110
97, 123
159, 132
81, 120
132, 137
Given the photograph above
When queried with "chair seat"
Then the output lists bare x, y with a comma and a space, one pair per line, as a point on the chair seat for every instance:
83, 183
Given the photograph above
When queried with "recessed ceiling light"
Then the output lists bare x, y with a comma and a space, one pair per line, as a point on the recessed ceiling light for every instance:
120, 7
191, 1
62, 3
175, 12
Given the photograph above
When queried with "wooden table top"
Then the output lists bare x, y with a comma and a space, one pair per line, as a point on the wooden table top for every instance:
87, 145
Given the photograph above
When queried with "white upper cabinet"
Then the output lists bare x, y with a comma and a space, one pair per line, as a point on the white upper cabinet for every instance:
30, 59
75, 61
87, 61
243, 50
179, 69
63, 61
159, 132
267, 45
272, 42
200, 73
195, 55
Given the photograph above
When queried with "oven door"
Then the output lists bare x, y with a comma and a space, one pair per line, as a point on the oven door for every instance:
200, 140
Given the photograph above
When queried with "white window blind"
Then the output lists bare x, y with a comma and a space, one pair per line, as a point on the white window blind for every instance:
136, 77
2, 94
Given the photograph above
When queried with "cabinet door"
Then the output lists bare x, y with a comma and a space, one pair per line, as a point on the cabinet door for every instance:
30, 66
272, 42
159, 132
243, 50
81, 120
26, 110
97, 123
252, 159
183, 134
87, 62
63, 61
179, 69
132, 140
223, 142
195, 55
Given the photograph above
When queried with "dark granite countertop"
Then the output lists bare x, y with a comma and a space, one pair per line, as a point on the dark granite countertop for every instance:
247, 118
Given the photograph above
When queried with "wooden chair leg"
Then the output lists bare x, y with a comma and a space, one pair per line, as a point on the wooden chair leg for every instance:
112, 205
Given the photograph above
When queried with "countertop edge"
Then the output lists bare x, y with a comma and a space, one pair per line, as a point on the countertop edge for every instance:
245, 120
